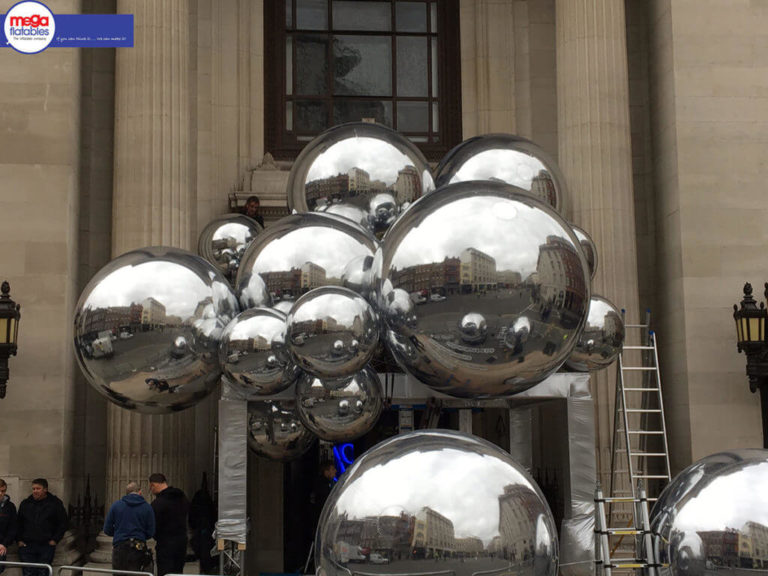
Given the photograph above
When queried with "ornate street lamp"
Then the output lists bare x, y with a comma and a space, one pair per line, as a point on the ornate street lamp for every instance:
9, 332
750, 334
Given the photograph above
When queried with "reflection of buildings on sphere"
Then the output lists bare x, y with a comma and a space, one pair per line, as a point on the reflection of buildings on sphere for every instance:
445, 274
298, 280
518, 508
408, 185
478, 270
543, 188
560, 273
432, 533
152, 313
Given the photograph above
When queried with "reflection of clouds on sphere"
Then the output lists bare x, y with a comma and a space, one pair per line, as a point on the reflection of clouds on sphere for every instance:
342, 411
275, 431
427, 494
332, 332
224, 240
505, 158
148, 327
491, 256
365, 172
589, 248
602, 339
253, 353
705, 515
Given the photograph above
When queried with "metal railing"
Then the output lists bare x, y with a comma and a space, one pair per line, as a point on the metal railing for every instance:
102, 571
29, 565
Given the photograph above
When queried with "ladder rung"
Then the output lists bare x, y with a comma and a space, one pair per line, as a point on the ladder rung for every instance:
638, 347
624, 451
654, 476
621, 531
645, 431
642, 368
628, 565
635, 325
644, 410
641, 389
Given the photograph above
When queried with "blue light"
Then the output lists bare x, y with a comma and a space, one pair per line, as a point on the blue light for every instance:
344, 455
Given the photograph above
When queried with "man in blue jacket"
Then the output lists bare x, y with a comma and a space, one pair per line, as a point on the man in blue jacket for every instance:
131, 522
41, 523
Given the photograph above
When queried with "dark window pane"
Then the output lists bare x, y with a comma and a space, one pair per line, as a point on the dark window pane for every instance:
434, 67
411, 16
289, 65
355, 111
412, 116
362, 65
311, 64
289, 116
433, 17
369, 16
310, 116
311, 14
435, 118
288, 13
412, 74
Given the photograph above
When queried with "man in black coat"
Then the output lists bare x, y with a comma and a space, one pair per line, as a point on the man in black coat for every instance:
7, 522
171, 508
42, 521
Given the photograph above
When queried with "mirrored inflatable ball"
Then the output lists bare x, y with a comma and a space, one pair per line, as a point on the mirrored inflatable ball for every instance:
364, 171
148, 326
224, 240
332, 332
717, 521
589, 248
484, 290
340, 410
436, 501
602, 339
275, 431
506, 158
253, 353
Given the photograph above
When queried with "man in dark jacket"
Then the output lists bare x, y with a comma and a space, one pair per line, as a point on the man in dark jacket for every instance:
171, 508
42, 521
131, 522
7, 522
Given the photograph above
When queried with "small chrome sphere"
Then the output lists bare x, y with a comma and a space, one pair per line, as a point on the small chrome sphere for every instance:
275, 431
473, 328
224, 240
436, 501
589, 248
253, 353
602, 339
505, 158
339, 410
332, 332
148, 326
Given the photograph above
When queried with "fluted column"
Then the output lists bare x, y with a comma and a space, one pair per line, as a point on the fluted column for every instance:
153, 204
596, 158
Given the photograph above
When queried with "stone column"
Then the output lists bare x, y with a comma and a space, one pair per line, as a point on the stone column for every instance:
596, 158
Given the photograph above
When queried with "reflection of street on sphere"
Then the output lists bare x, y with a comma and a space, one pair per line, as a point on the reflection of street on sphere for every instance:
275, 431
224, 240
602, 339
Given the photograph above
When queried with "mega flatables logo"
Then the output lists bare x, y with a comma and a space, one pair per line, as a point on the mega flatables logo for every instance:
29, 27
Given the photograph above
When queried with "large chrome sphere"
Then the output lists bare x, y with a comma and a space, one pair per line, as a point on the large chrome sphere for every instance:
148, 327
506, 158
339, 411
475, 258
275, 431
253, 352
589, 248
366, 172
224, 240
713, 517
332, 332
436, 502
601, 341
298, 253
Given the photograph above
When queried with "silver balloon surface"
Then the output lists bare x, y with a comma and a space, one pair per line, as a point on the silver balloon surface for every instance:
475, 259
366, 172
224, 240
148, 326
275, 431
589, 248
332, 332
713, 517
253, 353
602, 339
358, 276
339, 411
436, 502
298, 253
506, 158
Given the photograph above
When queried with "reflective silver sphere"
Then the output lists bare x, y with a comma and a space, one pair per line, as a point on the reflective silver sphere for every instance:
475, 258
601, 341
275, 431
366, 172
713, 517
283, 306
224, 240
148, 326
253, 353
298, 253
589, 248
436, 502
342, 411
358, 276
332, 332
506, 158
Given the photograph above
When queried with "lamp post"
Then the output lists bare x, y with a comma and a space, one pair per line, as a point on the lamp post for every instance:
9, 332
750, 335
